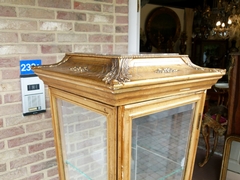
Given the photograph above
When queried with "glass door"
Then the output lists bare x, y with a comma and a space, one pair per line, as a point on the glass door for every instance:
162, 138
86, 130
159, 144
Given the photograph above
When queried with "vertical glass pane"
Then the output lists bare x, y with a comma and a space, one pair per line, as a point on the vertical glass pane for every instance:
84, 141
159, 144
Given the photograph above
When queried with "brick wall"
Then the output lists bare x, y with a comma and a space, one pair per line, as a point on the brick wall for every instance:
85, 135
46, 29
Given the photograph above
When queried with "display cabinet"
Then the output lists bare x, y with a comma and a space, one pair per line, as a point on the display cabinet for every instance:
122, 117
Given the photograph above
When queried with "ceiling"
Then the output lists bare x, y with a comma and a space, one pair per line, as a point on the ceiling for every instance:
180, 3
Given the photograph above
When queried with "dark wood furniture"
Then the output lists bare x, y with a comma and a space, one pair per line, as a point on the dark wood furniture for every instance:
234, 96
210, 53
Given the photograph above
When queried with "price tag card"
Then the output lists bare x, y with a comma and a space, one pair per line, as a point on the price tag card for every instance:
25, 66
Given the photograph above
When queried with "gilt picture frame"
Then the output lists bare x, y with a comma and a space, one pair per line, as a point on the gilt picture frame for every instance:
162, 25
231, 149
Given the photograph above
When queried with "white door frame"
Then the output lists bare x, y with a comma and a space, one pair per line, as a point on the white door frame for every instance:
134, 8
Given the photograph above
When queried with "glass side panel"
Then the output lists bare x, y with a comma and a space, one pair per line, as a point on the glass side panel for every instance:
159, 144
85, 142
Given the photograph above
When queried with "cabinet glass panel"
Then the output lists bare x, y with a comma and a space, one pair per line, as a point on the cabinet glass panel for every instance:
159, 144
85, 142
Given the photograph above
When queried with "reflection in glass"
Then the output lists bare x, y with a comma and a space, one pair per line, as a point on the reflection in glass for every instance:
233, 171
159, 144
85, 143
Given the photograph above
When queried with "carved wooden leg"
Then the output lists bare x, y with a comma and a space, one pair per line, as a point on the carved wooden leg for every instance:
215, 143
207, 124
205, 133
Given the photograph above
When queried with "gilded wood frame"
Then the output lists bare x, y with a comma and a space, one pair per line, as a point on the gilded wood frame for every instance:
226, 155
124, 87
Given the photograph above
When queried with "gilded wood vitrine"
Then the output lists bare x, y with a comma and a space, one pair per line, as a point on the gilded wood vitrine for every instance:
122, 117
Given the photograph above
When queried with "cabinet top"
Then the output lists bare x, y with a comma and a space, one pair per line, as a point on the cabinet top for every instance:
123, 73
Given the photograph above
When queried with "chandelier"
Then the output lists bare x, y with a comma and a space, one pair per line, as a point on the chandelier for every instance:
222, 21
227, 19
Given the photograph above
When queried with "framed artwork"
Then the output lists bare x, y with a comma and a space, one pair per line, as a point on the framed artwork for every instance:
162, 27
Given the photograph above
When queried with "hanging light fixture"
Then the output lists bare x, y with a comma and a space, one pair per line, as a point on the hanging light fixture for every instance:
227, 19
